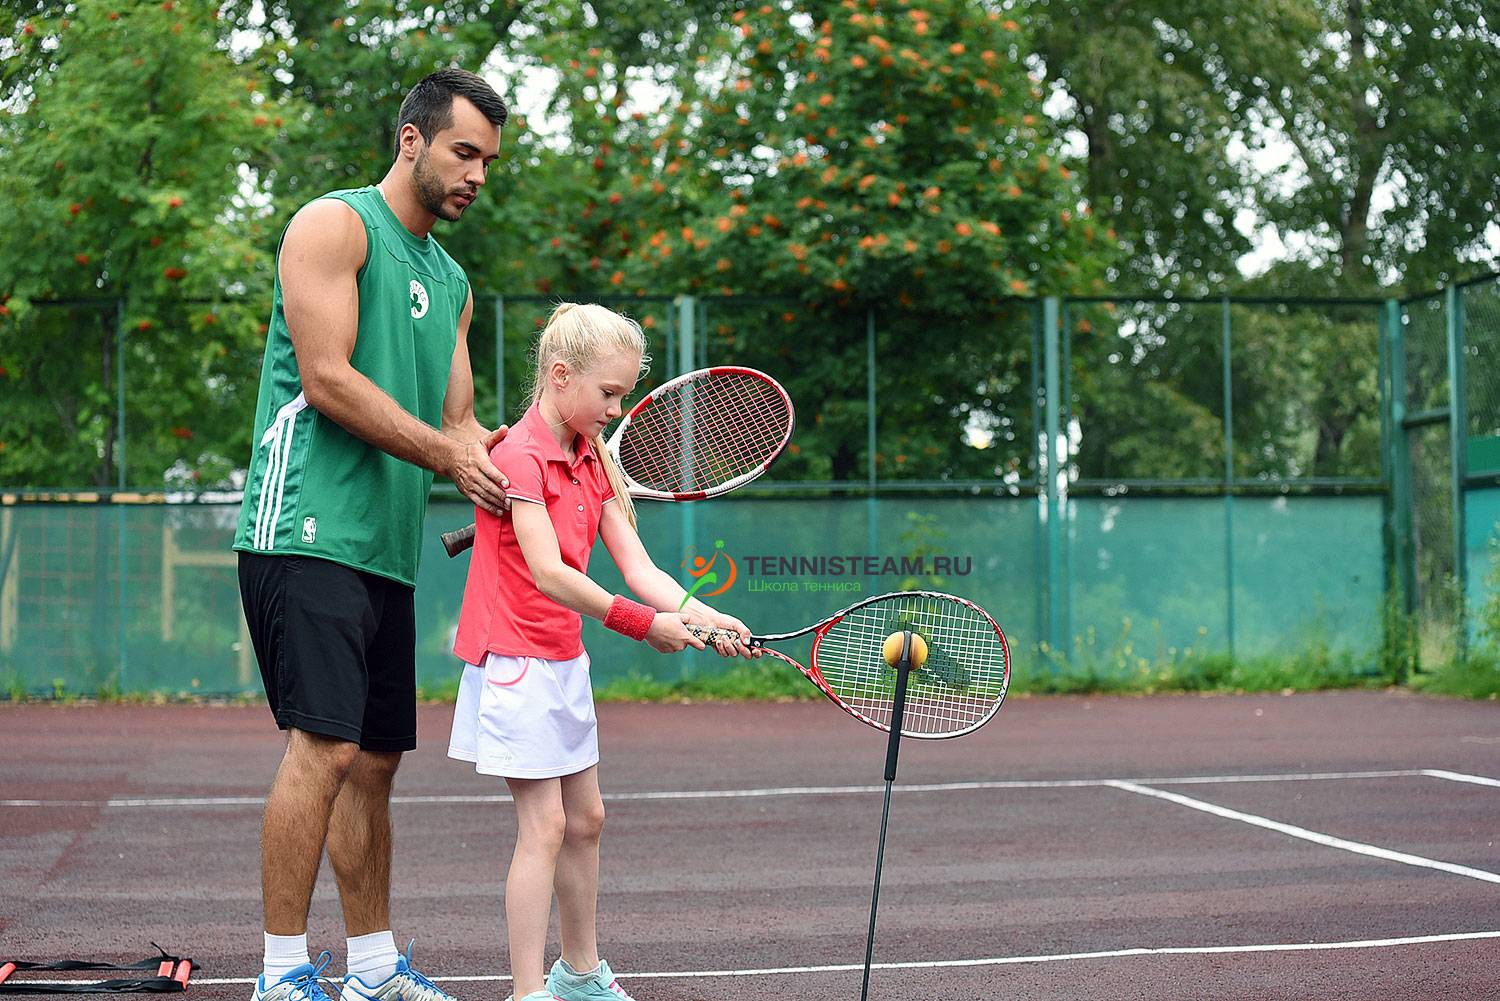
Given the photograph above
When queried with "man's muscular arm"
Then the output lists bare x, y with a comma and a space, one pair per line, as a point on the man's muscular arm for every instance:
320, 259
458, 402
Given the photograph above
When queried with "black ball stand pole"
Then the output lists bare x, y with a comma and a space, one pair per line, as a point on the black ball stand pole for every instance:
892, 750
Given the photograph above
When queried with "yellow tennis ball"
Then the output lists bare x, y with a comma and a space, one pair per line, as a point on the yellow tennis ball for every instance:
891, 649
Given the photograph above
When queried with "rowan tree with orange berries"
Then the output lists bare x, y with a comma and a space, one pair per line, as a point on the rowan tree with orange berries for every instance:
125, 164
863, 156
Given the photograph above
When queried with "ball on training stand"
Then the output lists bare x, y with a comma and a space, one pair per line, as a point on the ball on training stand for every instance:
891, 650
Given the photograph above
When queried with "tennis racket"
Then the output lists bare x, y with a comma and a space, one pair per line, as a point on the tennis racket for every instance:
956, 691
700, 435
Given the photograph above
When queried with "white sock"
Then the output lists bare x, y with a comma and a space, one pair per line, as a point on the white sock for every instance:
372, 958
568, 969
284, 953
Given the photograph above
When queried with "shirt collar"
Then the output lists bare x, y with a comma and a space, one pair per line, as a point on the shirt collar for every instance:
551, 451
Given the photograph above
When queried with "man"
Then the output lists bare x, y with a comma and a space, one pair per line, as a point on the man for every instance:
366, 359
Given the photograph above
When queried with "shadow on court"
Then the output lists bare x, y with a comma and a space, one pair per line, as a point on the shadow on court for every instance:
1332, 845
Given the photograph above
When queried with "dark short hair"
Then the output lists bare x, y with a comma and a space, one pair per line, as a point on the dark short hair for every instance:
429, 105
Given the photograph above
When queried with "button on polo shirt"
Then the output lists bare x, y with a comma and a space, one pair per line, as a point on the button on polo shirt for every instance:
503, 611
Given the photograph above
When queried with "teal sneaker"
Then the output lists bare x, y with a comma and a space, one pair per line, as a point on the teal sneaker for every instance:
406, 984
599, 984
303, 983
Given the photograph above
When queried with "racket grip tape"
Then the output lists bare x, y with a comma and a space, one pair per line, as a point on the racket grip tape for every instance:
458, 540
710, 635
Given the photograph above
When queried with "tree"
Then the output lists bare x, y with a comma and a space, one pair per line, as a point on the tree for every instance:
1393, 94
854, 157
346, 67
1371, 100
1156, 130
129, 168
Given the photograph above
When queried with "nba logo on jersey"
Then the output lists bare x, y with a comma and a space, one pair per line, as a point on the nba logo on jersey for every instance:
418, 300
309, 530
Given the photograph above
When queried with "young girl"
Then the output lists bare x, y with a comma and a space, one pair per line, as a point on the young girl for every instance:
525, 707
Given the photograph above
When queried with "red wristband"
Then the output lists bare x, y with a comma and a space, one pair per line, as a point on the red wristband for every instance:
629, 618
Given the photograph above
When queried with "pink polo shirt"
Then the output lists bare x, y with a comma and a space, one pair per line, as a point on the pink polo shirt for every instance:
503, 611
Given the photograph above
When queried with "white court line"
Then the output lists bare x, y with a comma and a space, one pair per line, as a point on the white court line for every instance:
167, 801
1357, 847
941, 964
1478, 780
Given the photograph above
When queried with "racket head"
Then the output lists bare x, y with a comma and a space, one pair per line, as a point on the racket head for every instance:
703, 434
959, 688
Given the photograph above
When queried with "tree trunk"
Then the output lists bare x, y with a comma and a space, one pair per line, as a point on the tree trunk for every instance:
1366, 155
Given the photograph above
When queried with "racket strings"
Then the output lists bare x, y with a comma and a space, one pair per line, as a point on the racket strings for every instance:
705, 433
960, 685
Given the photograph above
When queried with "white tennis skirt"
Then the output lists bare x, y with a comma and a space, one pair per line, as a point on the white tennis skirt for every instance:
526, 717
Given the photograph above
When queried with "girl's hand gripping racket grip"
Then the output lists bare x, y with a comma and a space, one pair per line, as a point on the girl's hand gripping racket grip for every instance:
711, 636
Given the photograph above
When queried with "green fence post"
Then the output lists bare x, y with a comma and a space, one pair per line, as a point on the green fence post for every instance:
1387, 507
1065, 510
120, 394
870, 474
1228, 477
120, 482
1050, 436
1458, 439
703, 339
1400, 461
1039, 553
499, 360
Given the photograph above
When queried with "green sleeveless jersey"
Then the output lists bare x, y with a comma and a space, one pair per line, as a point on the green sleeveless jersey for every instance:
313, 488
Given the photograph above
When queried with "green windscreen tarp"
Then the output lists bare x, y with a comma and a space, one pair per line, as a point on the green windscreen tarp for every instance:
144, 598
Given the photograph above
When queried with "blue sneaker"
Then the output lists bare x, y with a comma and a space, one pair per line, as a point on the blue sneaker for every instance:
599, 984
303, 983
406, 984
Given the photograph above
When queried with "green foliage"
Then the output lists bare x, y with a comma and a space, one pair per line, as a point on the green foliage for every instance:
738, 682
344, 69
1158, 133
849, 158
130, 168
1476, 676
1489, 610
1362, 95
1121, 670
1398, 641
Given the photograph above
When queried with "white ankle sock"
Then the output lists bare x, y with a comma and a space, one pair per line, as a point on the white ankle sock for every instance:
284, 953
372, 958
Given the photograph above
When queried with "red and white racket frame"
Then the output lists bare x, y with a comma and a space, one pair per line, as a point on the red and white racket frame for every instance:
460, 539
639, 492
815, 675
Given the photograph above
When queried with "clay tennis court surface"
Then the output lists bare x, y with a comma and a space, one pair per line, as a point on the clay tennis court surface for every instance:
1333, 845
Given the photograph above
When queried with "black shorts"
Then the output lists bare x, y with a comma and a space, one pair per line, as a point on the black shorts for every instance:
337, 649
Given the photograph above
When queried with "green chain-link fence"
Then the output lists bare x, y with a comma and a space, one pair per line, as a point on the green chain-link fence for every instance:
1125, 483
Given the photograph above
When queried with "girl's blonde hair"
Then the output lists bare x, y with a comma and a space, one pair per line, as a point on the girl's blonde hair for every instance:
580, 334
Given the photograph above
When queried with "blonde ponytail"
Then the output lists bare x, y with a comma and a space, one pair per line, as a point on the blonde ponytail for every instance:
580, 334
616, 480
